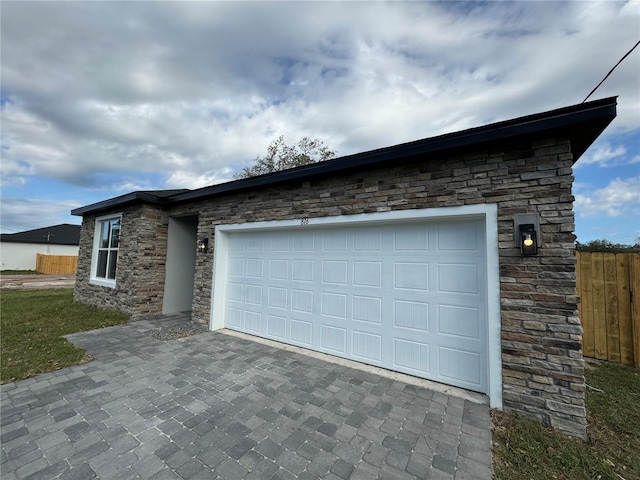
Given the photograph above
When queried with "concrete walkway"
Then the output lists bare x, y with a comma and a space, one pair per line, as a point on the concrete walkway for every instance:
33, 281
215, 405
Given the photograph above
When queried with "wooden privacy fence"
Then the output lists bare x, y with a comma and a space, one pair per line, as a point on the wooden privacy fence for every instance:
608, 286
54, 264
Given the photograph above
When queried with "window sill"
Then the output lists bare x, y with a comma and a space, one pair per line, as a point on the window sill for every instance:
102, 282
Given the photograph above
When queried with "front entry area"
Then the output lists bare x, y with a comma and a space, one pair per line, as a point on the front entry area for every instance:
181, 264
409, 295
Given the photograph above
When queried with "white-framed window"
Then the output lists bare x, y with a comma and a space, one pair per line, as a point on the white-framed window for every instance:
106, 243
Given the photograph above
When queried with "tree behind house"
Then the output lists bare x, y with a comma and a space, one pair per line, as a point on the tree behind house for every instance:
281, 156
605, 245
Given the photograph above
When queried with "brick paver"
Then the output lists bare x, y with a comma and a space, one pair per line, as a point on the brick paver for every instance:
218, 406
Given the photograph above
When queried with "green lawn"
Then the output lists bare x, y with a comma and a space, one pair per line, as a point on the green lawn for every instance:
528, 451
19, 272
32, 325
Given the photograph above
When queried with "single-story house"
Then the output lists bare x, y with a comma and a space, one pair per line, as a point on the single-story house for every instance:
449, 258
18, 251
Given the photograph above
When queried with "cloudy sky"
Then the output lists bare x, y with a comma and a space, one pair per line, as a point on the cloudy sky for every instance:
102, 98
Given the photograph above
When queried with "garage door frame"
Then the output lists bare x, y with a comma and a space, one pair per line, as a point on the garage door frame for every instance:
487, 213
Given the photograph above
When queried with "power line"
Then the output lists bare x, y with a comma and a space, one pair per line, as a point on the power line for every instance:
611, 71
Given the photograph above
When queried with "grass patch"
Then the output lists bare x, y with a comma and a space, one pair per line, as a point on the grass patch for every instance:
527, 450
33, 323
19, 272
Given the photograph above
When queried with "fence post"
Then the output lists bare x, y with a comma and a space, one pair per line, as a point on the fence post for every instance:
634, 268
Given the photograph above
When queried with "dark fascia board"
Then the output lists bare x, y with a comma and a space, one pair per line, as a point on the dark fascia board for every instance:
154, 197
582, 123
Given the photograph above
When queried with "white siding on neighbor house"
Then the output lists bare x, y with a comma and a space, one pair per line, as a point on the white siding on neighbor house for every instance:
22, 256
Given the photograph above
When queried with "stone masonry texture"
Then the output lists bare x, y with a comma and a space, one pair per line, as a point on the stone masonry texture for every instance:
543, 369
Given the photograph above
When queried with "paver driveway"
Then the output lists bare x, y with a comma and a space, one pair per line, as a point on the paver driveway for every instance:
218, 406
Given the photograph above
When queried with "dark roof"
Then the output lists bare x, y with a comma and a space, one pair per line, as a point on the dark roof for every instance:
581, 123
65, 234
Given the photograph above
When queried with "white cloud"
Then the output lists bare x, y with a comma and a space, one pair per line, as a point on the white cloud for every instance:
604, 155
186, 179
19, 214
111, 95
620, 198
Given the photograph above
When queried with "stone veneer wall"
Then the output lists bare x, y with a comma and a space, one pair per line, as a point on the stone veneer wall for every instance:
141, 263
543, 369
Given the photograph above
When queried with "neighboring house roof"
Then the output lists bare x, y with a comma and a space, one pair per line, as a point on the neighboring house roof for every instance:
64, 234
581, 123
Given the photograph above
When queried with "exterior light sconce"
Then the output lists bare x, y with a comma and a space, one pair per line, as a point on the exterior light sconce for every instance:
526, 233
203, 245
528, 240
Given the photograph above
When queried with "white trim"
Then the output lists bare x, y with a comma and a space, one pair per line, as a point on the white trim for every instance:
93, 280
469, 211
494, 324
488, 212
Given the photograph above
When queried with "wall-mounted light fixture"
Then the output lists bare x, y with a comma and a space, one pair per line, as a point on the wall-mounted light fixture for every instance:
528, 240
526, 233
203, 245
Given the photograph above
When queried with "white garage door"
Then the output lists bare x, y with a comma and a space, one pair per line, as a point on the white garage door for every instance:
409, 296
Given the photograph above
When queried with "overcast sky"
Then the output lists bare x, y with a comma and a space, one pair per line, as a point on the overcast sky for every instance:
102, 98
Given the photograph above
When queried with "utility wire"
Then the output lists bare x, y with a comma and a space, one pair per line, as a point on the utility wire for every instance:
611, 71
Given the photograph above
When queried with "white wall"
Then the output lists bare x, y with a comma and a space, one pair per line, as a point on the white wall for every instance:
181, 264
22, 256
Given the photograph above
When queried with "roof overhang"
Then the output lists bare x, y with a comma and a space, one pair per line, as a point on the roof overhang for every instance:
581, 124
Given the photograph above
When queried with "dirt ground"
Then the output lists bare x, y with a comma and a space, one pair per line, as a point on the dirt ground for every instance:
25, 282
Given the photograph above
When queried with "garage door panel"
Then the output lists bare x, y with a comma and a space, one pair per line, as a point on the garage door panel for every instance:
234, 317
302, 332
459, 321
334, 272
279, 269
458, 278
333, 339
303, 242
367, 239
277, 327
302, 300
367, 346
302, 270
253, 295
278, 298
252, 322
411, 237
411, 275
406, 297
458, 236
367, 309
255, 243
334, 241
411, 315
279, 242
334, 305
255, 268
367, 274
236, 267
460, 366
412, 356
235, 291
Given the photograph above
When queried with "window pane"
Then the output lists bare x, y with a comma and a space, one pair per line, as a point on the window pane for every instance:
113, 260
101, 271
104, 235
115, 233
